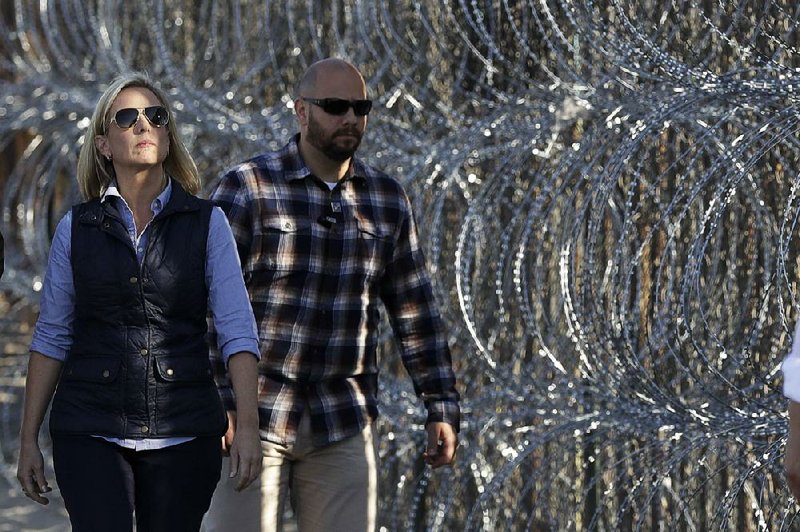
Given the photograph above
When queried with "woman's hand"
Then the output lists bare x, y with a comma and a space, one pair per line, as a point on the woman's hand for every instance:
30, 472
245, 449
245, 454
43, 373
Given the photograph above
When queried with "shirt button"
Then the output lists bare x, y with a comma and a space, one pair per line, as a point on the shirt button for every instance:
288, 225
106, 373
143, 351
145, 429
134, 280
170, 372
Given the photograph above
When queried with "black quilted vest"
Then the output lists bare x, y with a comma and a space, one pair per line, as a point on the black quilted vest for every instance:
138, 366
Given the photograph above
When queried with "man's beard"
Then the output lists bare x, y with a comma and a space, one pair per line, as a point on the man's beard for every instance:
316, 138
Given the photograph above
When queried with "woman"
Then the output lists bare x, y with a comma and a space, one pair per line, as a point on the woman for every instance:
136, 419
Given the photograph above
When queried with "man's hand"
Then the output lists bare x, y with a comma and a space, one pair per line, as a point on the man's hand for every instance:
442, 443
227, 438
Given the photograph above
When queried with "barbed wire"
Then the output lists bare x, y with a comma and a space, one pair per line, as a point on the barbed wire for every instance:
608, 197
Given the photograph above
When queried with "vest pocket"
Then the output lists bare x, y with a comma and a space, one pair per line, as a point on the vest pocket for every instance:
184, 369
88, 399
91, 369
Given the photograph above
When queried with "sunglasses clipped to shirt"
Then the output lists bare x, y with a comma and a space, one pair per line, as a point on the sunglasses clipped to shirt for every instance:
338, 107
156, 115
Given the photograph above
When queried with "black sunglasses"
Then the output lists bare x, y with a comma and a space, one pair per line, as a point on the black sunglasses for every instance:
156, 115
338, 107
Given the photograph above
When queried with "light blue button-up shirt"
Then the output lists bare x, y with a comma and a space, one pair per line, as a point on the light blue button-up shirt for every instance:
227, 295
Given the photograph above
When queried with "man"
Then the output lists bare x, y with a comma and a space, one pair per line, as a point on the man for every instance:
323, 238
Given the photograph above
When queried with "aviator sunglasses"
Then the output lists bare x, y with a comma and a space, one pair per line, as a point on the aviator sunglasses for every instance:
156, 115
338, 107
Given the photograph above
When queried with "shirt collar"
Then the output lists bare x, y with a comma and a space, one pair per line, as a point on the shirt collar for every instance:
156, 206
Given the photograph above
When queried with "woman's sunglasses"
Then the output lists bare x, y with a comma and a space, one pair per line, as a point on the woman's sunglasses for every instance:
156, 115
338, 107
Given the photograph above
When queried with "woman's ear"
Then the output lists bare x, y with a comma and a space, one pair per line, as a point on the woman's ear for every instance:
101, 143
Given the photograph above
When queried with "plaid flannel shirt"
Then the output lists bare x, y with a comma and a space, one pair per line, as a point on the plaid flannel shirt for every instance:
316, 263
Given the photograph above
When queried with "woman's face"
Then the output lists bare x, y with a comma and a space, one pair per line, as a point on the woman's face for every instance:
140, 146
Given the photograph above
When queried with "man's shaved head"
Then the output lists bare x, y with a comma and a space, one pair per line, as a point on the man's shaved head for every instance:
311, 79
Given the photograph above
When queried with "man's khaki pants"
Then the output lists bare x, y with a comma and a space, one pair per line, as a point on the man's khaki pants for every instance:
332, 488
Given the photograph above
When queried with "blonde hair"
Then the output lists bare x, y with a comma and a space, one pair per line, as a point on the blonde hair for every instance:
95, 172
